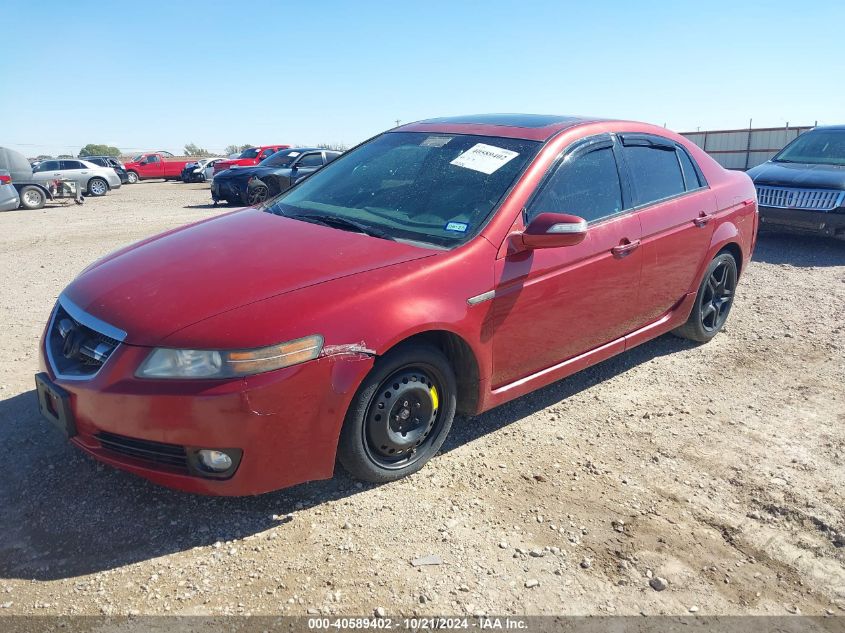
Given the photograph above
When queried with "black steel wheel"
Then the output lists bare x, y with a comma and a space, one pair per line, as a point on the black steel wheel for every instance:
400, 416
713, 301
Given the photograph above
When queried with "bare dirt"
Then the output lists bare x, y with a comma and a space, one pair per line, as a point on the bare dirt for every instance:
717, 469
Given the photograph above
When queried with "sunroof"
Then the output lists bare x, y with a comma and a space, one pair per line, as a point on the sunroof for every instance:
513, 120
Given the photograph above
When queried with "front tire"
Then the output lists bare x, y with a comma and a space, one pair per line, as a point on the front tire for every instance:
32, 198
400, 416
257, 195
713, 301
132, 178
97, 187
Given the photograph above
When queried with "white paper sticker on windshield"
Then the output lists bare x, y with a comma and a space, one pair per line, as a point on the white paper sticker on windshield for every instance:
293, 154
436, 141
484, 158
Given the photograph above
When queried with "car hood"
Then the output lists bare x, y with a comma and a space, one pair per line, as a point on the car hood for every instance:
799, 175
162, 285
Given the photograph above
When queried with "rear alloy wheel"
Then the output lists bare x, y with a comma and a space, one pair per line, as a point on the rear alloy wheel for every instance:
32, 198
133, 178
97, 187
713, 301
257, 195
400, 416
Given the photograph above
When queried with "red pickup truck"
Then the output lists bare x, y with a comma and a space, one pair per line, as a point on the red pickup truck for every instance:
156, 165
248, 157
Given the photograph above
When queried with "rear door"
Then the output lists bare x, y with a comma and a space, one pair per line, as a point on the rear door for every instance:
555, 303
675, 207
76, 171
307, 164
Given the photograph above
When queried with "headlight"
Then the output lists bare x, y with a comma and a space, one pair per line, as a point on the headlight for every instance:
190, 363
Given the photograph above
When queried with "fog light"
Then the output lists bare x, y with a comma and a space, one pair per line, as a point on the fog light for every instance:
215, 461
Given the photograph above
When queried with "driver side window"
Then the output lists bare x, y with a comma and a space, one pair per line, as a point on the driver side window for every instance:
585, 184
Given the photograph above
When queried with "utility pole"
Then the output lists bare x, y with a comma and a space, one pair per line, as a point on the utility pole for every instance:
397, 122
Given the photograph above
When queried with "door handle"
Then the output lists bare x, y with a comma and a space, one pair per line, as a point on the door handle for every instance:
625, 248
702, 219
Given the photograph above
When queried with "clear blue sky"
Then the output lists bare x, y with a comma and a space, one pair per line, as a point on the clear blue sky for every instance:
158, 74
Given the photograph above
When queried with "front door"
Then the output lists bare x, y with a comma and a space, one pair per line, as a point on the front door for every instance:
555, 303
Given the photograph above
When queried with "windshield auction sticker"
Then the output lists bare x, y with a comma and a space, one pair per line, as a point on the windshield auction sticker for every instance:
484, 158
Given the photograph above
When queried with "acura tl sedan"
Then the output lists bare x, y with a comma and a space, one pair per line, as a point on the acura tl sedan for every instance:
445, 266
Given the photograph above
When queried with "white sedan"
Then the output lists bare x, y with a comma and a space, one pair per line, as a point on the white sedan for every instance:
89, 178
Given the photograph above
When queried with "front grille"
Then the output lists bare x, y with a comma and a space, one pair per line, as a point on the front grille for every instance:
156, 453
76, 350
807, 199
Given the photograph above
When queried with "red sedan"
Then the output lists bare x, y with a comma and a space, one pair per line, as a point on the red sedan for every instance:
445, 266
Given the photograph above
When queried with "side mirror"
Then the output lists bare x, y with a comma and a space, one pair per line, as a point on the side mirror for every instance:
550, 230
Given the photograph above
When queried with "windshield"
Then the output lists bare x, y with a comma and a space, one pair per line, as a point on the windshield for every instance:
137, 158
252, 152
284, 158
434, 188
819, 147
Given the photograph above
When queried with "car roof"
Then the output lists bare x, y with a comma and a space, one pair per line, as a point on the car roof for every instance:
829, 127
538, 127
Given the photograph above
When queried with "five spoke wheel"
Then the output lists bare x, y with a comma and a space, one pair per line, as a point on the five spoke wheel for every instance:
713, 301
718, 295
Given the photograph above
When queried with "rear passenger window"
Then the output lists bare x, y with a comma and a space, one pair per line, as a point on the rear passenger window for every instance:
586, 185
310, 160
655, 171
690, 174
72, 164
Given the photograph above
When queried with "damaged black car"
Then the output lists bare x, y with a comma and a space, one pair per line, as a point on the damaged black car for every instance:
273, 175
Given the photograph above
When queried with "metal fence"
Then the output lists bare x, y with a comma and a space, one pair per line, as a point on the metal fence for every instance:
744, 149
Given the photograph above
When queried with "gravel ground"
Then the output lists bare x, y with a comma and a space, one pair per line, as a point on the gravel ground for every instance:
673, 479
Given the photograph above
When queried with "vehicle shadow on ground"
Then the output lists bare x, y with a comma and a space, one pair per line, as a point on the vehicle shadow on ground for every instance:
64, 514
799, 250
208, 205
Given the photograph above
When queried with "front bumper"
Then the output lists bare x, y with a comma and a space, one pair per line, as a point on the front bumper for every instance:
228, 190
285, 422
830, 223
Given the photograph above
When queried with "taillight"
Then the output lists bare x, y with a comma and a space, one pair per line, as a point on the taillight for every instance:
5, 179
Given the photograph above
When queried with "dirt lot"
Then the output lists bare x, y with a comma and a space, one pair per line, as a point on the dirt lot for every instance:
719, 469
